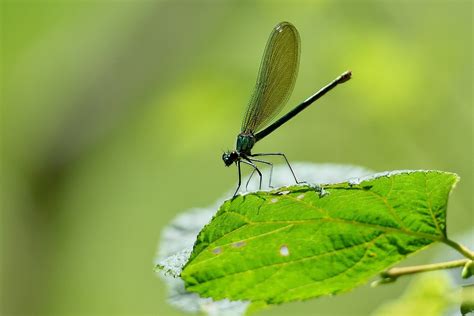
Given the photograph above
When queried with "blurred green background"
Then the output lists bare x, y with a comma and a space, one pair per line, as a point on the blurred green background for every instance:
114, 116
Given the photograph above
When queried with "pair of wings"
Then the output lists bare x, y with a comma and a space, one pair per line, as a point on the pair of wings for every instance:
276, 77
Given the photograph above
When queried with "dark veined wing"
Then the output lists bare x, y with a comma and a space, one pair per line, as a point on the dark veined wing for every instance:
276, 78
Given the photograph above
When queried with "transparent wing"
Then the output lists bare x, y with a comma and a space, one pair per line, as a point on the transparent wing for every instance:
276, 78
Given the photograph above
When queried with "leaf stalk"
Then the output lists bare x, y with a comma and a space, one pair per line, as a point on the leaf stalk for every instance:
393, 274
460, 248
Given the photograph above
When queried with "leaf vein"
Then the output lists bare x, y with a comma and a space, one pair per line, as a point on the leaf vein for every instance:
356, 223
370, 244
390, 208
430, 207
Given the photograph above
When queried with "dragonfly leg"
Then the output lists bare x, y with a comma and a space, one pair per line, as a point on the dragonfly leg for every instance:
249, 162
240, 179
248, 181
271, 169
278, 154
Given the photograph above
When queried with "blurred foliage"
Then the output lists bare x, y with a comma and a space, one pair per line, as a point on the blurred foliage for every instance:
427, 294
107, 106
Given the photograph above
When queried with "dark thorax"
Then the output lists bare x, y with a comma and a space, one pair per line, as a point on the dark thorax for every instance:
245, 143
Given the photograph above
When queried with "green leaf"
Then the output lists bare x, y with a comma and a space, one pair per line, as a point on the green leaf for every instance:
300, 242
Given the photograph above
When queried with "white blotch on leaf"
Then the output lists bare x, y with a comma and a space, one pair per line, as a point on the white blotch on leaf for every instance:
173, 265
217, 250
239, 244
284, 251
274, 200
300, 197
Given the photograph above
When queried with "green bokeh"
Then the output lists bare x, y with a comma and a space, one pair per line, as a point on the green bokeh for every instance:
112, 111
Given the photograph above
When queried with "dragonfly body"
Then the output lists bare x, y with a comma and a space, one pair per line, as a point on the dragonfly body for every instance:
275, 83
242, 150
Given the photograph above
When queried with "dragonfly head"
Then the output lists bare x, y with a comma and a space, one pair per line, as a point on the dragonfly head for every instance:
230, 157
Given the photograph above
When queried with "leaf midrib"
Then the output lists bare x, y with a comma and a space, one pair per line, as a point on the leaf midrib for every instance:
339, 220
